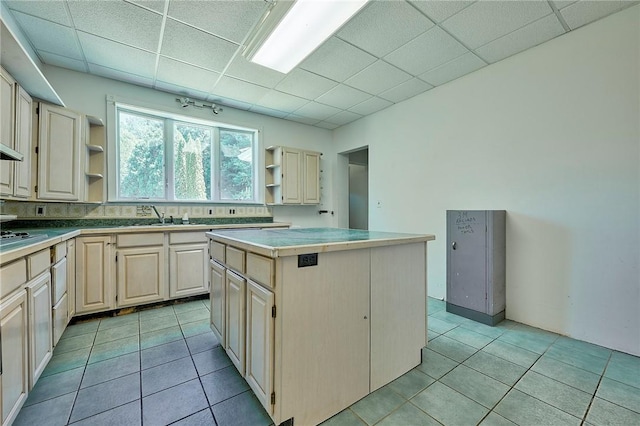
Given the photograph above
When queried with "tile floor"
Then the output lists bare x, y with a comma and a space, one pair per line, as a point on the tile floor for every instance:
164, 366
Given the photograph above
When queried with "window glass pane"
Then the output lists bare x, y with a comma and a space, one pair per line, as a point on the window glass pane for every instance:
236, 165
141, 168
192, 161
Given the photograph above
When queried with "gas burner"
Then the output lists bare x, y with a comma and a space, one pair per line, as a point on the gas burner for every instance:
9, 237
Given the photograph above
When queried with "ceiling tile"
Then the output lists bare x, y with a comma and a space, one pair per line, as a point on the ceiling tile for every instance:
282, 101
231, 20
427, 51
584, 12
405, 90
316, 111
531, 35
157, 5
451, 70
233, 103
120, 75
328, 126
337, 60
303, 120
62, 61
246, 70
175, 72
438, 10
377, 78
305, 84
49, 10
101, 51
343, 117
383, 26
560, 4
240, 90
196, 47
119, 21
180, 90
370, 106
268, 111
49, 36
485, 21
343, 97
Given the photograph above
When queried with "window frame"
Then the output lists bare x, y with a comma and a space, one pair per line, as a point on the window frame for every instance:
170, 120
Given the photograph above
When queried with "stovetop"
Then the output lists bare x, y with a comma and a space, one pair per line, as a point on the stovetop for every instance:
8, 238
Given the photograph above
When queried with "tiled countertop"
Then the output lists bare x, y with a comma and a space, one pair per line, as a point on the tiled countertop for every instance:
288, 242
51, 236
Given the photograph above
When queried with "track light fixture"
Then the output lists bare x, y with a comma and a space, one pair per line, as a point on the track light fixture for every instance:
186, 102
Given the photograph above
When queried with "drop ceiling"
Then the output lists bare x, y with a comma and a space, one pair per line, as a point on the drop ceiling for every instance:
390, 51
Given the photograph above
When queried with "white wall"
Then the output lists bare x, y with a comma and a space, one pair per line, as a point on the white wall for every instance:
87, 93
552, 136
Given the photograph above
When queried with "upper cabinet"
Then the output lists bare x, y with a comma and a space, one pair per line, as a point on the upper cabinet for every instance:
15, 132
292, 176
71, 158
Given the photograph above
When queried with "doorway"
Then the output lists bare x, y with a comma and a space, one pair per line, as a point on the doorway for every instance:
359, 189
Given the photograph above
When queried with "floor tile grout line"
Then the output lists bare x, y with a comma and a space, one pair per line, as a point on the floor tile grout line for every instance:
84, 371
593, 397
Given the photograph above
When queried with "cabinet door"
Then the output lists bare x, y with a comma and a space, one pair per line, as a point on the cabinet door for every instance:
40, 326
14, 380
291, 179
71, 279
59, 281
22, 178
235, 326
216, 297
7, 129
260, 327
311, 184
59, 153
140, 275
188, 270
60, 318
94, 272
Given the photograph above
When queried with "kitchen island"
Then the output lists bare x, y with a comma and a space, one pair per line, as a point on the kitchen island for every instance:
315, 319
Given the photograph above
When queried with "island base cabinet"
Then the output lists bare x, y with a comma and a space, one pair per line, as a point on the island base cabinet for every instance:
216, 298
323, 336
14, 380
260, 333
40, 326
235, 319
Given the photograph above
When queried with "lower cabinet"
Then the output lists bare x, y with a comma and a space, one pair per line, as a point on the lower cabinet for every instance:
71, 279
60, 314
188, 269
94, 274
260, 340
14, 380
235, 289
140, 275
40, 325
217, 279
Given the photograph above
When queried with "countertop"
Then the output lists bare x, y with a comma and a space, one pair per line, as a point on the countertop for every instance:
47, 237
294, 241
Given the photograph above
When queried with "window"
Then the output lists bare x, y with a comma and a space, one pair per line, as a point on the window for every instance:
165, 157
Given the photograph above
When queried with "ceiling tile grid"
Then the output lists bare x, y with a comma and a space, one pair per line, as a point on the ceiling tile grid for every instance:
389, 52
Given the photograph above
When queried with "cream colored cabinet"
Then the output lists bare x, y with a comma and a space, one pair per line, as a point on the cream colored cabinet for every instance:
188, 264
16, 121
60, 133
94, 190
94, 274
235, 289
216, 298
140, 275
7, 128
260, 340
59, 274
14, 380
40, 325
292, 176
71, 279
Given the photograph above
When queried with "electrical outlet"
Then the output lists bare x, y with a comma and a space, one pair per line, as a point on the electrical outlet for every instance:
210, 212
41, 210
232, 211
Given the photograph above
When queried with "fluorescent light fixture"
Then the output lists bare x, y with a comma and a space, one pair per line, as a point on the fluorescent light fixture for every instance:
306, 24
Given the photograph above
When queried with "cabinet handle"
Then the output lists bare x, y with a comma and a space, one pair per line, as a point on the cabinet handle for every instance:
454, 245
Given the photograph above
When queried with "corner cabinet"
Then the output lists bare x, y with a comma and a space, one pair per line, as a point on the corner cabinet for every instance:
292, 176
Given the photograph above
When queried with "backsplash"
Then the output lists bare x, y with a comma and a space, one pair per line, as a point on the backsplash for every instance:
39, 210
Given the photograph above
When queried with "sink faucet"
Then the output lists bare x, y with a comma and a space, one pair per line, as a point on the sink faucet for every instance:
160, 216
